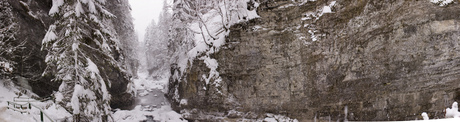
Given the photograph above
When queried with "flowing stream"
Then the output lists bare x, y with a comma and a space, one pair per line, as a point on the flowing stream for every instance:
150, 99
151, 104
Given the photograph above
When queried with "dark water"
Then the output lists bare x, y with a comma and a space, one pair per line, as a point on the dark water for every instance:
154, 99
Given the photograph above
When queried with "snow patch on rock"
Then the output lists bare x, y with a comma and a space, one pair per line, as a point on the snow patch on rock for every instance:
163, 114
314, 16
442, 2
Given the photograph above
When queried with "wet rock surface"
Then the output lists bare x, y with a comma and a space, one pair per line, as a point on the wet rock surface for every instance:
383, 60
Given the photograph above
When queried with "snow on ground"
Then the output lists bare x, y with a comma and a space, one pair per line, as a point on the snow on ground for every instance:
144, 82
147, 85
438, 120
8, 92
163, 114
8, 115
444, 120
278, 118
57, 113
139, 113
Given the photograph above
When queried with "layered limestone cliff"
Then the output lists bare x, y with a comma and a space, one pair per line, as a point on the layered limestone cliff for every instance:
380, 60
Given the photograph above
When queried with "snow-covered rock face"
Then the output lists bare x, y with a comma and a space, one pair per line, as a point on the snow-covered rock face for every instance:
123, 28
384, 60
22, 26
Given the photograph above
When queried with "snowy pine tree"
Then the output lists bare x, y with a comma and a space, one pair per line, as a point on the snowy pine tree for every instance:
156, 42
181, 37
151, 37
74, 42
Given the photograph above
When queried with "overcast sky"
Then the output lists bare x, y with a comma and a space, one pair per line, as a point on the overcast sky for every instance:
143, 11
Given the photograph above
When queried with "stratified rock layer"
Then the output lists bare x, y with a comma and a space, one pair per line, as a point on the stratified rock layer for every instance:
383, 60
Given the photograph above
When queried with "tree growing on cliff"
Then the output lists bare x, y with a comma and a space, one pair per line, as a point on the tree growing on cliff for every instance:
199, 29
181, 37
77, 39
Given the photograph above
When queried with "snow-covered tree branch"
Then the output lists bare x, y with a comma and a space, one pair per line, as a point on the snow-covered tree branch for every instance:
74, 42
200, 28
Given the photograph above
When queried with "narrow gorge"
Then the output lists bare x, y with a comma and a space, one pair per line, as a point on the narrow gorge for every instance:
231, 60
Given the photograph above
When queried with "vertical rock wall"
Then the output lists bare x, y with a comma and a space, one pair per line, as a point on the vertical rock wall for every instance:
383, 60
30, 23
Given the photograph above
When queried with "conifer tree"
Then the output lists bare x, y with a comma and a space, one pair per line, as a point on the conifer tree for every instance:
156, 42
74, 42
